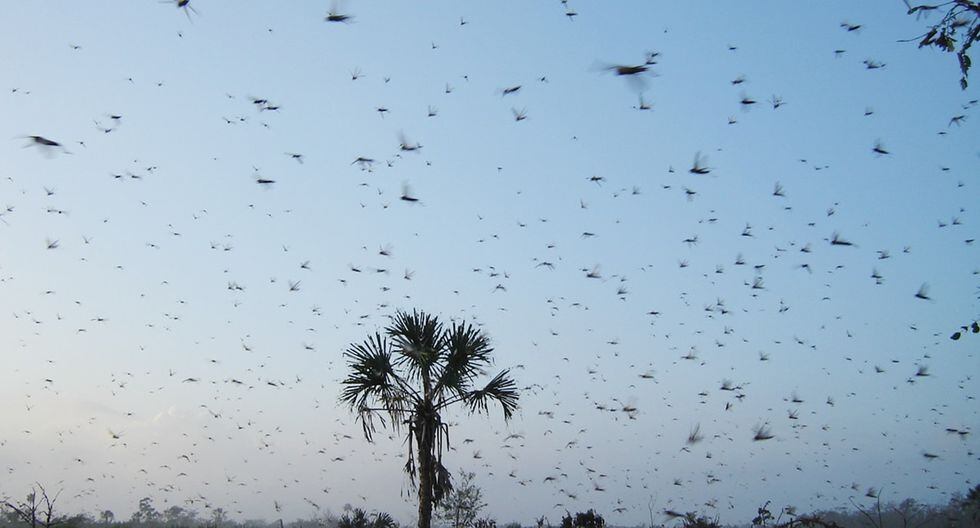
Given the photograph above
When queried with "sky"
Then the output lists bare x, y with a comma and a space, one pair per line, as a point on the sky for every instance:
144, 264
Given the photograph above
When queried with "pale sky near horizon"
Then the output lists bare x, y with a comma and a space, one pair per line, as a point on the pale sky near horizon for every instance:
137, 258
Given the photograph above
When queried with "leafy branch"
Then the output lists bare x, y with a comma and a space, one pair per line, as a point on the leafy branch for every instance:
956, 32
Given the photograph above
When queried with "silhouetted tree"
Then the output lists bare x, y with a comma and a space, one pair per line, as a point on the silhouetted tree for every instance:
693, 520
409, 376
765, 517
460, 507
145, 513
589, 519
358, 518
971, 504
78, 520
177, 516
219, 518
485, 522
37, 509
106, 517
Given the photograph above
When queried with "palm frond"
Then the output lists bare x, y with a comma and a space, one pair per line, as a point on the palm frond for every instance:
409, 467
417, 339
384, 520
353, 519
373, 388
443, 483
468, 352
502, 389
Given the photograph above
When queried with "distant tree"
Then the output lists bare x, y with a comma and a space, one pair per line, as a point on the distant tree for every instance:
358, 518
219, 518
410, 376
765, 517
173, 514
106, 517
589, 519
355, 518
956, 31
970, 505
460, 507
910, 512
485, 522
177, 516
145, 513
37, 509
78, 520
692, 520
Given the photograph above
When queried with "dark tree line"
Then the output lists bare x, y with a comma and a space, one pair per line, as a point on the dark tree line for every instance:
962, 511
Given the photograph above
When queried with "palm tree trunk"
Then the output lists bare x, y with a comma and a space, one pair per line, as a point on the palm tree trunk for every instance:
425, 429
424, 440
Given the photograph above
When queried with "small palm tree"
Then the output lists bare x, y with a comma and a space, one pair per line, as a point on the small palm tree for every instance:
407, 377
358, 518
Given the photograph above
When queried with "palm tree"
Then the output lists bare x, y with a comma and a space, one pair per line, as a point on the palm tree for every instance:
358, 518
407, 377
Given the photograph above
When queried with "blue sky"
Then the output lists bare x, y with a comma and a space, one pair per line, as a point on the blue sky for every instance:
135, 297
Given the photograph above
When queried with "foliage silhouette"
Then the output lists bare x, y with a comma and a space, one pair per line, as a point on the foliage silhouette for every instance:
409, 376
589, 519
37, 509
961, 21
358, 518
461, 506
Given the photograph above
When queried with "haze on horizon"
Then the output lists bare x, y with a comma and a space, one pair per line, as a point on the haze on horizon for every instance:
772, 227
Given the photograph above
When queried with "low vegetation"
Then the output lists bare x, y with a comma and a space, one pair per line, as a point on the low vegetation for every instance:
37, 511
